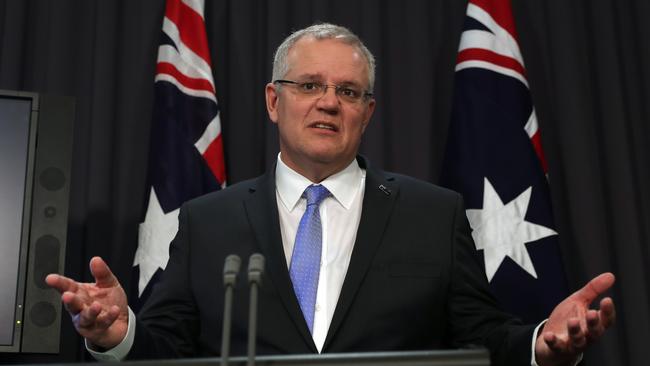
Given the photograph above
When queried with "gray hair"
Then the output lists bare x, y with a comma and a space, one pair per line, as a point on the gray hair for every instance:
322, 31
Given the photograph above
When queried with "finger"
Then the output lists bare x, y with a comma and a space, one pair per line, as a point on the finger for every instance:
61, 283
107, 318
593, 321
552, 341
596, 287
594, 327
73, 303
607, 312
576, 334
103, 275
87, 317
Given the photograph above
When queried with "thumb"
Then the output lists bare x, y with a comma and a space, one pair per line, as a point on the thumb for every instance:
596, 287
102, 274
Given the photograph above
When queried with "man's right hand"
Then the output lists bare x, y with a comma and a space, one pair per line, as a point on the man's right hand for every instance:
99, 310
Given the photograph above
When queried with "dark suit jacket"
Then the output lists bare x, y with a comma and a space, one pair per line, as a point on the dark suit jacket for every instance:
413, 281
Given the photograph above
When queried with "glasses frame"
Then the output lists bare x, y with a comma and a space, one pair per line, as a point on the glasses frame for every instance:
337, 88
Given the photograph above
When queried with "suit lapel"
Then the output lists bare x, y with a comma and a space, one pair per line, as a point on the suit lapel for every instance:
378, 201
262, 210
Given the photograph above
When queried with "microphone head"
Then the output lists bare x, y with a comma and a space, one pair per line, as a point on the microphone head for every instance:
255, 268
231, 269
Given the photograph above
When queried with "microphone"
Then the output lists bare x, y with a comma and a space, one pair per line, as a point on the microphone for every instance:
230, 271
255, 270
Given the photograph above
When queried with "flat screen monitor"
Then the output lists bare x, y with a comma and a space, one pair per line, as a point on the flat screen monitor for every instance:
16, 148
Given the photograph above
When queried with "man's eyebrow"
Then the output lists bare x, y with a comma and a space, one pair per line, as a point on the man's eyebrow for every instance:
310, 77
348, 83
319, 78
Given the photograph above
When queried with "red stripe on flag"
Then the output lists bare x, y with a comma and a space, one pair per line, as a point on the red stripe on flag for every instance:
501, 12
192, 83
480, 54
190, 26
213, 156
536, 140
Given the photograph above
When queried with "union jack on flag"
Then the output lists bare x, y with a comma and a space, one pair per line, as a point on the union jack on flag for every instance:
494, 158
186, 152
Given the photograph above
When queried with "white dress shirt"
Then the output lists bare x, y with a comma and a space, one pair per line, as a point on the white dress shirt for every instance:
340, 214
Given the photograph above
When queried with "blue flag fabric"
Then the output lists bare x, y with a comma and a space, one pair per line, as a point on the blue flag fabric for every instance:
186, 152
494, 158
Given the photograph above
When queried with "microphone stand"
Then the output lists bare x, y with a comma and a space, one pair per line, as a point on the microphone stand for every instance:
230, 271
255, 270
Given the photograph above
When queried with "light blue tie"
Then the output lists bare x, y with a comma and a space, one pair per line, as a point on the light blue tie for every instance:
305, 260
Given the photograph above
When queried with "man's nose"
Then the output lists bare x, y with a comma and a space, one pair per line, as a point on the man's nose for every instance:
329, 101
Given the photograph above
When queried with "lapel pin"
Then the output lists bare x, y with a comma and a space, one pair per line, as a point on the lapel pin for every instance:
384, 189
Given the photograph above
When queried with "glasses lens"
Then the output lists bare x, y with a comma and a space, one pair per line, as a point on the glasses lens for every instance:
348, 93
310, 88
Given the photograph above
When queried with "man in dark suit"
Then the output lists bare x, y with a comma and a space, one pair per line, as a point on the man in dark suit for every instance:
363, 260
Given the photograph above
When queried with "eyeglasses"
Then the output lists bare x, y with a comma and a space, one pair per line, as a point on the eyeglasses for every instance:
312, 89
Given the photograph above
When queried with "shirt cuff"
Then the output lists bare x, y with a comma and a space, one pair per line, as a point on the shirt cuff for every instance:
533, 362
119, 352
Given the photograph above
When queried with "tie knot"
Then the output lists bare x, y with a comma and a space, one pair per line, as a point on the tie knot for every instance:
315, 194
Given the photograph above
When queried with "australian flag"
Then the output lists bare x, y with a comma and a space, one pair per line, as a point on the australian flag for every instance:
494, 158
186, 151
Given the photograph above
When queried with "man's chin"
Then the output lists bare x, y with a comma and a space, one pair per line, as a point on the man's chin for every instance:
330, 158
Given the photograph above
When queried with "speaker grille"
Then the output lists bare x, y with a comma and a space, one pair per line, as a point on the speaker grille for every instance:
43, 314
46, 259
52, 179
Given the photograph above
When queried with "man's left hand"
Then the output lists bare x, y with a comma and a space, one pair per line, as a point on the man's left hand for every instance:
572, 326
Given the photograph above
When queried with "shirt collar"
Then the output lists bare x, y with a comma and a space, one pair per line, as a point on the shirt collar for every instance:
343, 186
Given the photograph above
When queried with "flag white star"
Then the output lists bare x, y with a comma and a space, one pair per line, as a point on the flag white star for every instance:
500, 230
155, 234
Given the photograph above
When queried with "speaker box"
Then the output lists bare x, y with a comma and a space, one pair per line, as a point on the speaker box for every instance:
49, 222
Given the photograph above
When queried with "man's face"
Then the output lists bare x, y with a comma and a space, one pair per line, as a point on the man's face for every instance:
320, 132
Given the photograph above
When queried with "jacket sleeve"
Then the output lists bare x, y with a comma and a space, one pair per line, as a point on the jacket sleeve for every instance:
167, 325
475, 317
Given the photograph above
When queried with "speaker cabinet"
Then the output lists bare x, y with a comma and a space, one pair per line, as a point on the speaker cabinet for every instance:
49, 222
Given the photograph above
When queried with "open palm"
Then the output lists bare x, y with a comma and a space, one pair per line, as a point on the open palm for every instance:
99, 310
572, 326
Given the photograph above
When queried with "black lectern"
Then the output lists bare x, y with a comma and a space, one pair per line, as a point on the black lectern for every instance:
473, 357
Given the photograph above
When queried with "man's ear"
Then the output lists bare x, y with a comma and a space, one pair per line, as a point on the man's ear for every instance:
369, 111
272, 101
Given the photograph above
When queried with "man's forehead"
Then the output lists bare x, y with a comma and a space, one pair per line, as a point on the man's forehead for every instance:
319, 58
314, 45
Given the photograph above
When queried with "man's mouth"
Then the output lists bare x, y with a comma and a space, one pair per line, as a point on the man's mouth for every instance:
324, 126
